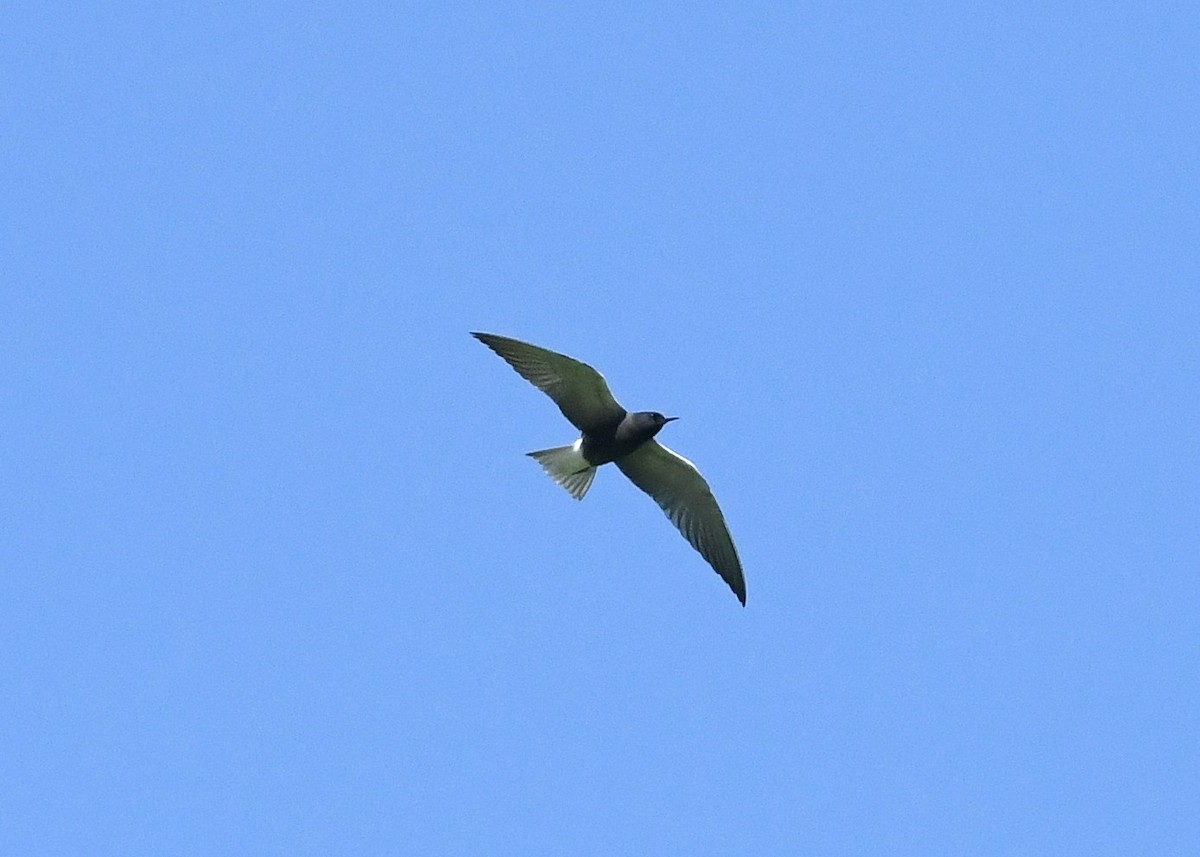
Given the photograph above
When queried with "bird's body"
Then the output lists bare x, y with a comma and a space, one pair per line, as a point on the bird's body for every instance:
611, 441
609, 433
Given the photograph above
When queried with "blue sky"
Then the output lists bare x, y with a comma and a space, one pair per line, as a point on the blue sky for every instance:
921, 282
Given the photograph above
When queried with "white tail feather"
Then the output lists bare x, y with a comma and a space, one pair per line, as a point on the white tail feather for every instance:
567, 466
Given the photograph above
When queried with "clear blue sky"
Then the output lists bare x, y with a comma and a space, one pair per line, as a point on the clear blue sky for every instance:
921, 281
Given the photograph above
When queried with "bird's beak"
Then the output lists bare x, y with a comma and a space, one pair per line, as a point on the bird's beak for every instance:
669, 419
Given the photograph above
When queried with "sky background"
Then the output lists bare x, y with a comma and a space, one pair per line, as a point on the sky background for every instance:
921, 281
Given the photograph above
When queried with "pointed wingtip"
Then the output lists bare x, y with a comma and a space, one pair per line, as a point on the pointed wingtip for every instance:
736, 583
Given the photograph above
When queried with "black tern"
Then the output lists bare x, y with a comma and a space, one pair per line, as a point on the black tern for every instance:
610, 433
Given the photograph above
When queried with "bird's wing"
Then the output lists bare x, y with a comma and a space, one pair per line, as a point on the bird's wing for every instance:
580, 392
677, 486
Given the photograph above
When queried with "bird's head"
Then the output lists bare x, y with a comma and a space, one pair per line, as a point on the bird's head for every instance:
650, 422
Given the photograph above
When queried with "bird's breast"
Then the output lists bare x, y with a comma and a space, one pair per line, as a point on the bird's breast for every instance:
603, 447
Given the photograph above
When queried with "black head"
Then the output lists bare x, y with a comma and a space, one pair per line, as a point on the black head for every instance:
649, 422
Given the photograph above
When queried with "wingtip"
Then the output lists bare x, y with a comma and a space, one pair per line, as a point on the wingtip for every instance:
736, 584
488, 340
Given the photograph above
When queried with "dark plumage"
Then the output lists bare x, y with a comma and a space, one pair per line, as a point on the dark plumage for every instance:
610, 433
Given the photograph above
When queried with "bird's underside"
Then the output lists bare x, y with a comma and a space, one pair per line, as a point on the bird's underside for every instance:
610, 433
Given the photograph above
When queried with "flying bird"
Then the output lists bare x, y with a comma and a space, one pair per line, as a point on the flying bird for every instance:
611, 433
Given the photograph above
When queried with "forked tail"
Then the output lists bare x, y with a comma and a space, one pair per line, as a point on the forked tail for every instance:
567, 466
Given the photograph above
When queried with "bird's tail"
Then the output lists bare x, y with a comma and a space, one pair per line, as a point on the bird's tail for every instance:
567, 466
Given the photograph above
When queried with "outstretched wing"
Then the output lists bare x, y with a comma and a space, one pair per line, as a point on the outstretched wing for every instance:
580, 392
677, 486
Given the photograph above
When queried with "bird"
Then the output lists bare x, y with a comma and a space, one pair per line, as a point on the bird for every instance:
609, 433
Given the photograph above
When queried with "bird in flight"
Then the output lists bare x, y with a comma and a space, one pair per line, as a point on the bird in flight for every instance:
610, 433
